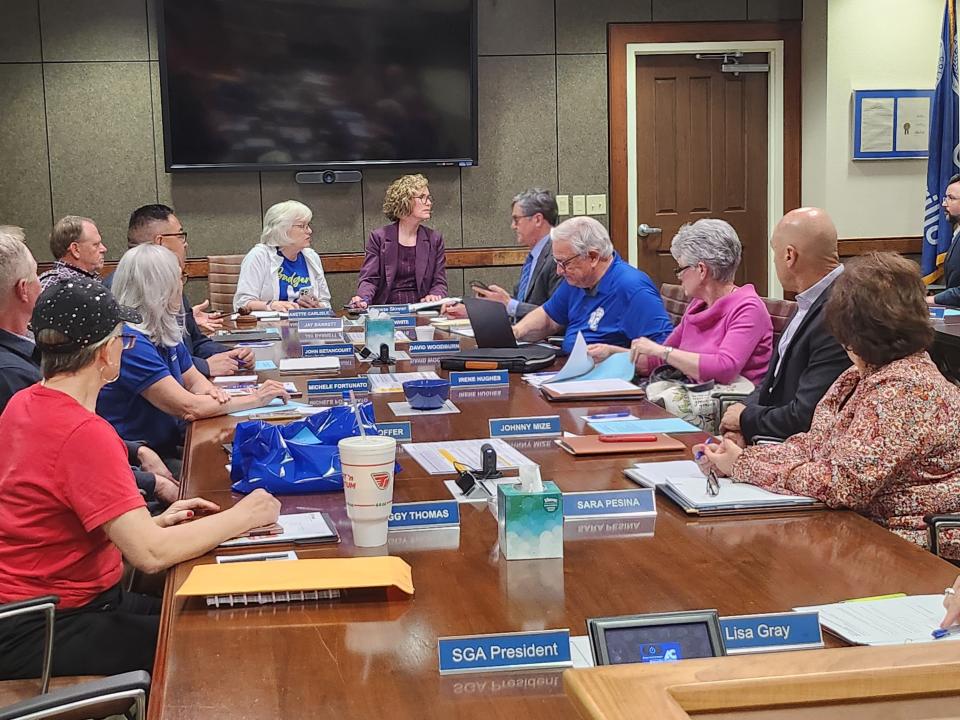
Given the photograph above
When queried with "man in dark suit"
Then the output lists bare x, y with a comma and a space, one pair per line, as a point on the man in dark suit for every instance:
808, 358
951, 264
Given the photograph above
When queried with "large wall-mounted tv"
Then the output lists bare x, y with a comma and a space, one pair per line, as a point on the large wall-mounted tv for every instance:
309, 84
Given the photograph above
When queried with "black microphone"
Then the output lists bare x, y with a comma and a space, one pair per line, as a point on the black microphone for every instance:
489, 463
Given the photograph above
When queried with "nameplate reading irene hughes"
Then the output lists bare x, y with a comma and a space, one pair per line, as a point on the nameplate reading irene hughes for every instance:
326, 387
485, 378
434, 347
771, 633
424, 515
391, 309
329, 350
608, 503
545, 425
506, 651
309, 313
399, 430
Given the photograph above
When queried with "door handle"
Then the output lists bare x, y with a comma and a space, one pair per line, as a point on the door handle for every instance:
645, 230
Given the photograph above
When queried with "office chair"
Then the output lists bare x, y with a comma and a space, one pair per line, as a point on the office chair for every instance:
936, 524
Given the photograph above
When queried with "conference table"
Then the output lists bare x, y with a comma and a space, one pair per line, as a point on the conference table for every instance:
365, 655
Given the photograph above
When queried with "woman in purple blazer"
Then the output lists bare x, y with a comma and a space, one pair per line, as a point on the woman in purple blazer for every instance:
405, 262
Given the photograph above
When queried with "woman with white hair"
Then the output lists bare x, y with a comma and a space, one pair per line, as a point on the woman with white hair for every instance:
282, 271
726, 331
159, 388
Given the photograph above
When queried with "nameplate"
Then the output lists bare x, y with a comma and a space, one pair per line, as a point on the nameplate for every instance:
525, 426
408, 321
609, 503
586, 528
485, 378
434, 347
485, 394
328, 324
423, 515
399, 430
937, 313
329, 350
771, 633
391, 309
309, 313
506, 651
327, 387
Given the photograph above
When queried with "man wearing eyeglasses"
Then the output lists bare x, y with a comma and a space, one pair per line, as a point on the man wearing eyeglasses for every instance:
951, 265
604, 297
78, 249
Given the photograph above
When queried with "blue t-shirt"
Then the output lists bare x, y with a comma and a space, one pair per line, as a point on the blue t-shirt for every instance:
122, 404
294, 276
624, 305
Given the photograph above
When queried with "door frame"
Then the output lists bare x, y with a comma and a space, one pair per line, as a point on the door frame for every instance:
782, 43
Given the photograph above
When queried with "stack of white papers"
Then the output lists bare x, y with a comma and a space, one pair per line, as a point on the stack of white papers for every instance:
433, 456
891, 621
310, 363
590, 387
417, 307
393, 382
296, 526
581, 367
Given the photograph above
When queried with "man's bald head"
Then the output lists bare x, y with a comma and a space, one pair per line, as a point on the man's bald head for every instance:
804, 245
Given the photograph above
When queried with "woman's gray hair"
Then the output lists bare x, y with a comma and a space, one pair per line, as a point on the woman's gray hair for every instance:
68, 363
148, 279
538, 200
16, 260
711, 242
279, 218
585, 234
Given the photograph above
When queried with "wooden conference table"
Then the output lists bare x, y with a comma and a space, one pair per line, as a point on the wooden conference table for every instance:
369, 658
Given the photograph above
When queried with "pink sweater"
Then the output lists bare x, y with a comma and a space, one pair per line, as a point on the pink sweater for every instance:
733, 337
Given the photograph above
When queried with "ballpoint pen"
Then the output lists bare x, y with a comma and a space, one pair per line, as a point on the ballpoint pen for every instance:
628, 437
944, 632
608, 416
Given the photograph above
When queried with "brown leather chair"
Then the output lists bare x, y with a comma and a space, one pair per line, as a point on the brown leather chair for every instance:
780, 313
674, 301
222, 277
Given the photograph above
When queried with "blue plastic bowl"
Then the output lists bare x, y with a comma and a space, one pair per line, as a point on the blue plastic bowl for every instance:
426, 394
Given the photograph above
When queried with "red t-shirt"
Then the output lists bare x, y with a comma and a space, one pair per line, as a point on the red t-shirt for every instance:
63, 474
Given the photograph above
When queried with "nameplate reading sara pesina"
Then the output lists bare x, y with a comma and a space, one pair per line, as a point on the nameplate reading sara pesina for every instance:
434, 347
424, 515
399, 430
484, 378
771, 633
542, 425
506, 651
609, 503
404, 321
391, 309
308, 313
329, 350
327, 387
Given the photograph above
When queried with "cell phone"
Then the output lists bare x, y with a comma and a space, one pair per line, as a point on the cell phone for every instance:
477, 285
271, 529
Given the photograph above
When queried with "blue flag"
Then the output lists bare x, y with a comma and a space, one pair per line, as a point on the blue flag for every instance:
943, 161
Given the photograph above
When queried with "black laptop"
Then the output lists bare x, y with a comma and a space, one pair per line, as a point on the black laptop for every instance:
490, 323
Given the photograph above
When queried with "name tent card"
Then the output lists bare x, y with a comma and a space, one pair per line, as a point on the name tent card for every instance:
329, 350
525, 426
333, 324
399, 430
484, 378
408, 321
506, 651
434, 347
771, 633
609, 503
391, 309
328, 387
424, 515
309, 313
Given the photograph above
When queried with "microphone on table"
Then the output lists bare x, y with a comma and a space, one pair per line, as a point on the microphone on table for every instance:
384, 357
488, 467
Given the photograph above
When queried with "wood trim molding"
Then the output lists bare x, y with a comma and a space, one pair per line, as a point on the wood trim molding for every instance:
909, 245
620, 35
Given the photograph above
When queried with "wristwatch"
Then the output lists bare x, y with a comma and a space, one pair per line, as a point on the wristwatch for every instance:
666, 353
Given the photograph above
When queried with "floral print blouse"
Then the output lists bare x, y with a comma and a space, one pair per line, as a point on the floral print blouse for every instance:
885, 444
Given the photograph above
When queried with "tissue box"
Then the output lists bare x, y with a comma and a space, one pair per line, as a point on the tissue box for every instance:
531, 524
379, 330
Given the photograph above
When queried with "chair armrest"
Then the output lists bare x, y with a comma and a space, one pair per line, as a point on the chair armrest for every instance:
96, 698
767, 440
936, 523
20, 607
47, 604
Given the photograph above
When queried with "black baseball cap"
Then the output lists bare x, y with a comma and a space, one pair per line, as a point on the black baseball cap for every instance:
85, 311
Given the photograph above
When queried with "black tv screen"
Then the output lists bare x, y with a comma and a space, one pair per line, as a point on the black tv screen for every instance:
307, 84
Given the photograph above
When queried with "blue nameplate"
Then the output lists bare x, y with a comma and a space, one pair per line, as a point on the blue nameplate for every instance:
330, 349
937, 313
334, 324
525, 426
607, 503
391, 309
422, 515
773, 632
434, 347
408, 321
304, 313
483, 378
399, 430
327, 387
506, 651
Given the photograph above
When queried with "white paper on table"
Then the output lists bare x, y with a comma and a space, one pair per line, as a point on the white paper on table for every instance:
310, 363
403, 409
891, 621
400, 336
465, 331
418, 306
466, 452
277, 405
693, 490
355, 337
580, 651
577, 387
579, 362
234, 379
538, 379
657, 473
296, 526
393, 382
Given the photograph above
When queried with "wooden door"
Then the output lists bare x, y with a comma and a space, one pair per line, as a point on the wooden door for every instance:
701, 152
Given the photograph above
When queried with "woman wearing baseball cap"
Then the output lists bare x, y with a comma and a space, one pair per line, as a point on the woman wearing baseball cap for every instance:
71, 507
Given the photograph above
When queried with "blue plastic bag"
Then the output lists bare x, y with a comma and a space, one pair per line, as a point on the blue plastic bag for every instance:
301, 457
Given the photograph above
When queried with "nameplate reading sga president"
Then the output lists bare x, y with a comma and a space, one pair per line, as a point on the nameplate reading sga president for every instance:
506, 651
329, 350
483, 378
424, 515
771, 633
525, 426
607, 503
327, 387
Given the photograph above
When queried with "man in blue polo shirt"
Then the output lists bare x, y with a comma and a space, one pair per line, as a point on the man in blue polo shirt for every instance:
604, 297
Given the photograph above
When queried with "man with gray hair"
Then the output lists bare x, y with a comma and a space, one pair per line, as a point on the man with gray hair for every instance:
78, 249
604, 297
19, 290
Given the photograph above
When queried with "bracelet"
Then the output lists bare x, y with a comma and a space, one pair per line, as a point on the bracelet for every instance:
270, 305
666, 353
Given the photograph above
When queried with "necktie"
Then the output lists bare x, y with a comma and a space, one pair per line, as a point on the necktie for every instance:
525, 273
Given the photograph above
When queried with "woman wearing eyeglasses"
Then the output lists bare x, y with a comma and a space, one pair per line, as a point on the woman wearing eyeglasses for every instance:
159, 389
282, 271
405, 261
71, 511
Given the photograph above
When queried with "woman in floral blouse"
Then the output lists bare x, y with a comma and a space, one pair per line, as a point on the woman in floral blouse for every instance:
885, 439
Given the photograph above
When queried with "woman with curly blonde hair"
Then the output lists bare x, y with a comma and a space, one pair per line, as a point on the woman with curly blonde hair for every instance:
405, 261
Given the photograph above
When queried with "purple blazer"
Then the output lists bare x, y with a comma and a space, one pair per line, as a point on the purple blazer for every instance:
379, 267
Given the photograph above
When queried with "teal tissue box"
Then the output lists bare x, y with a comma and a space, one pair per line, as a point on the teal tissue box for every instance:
531, 524
380, 332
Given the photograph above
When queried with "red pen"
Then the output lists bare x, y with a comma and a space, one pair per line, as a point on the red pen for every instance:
628, 438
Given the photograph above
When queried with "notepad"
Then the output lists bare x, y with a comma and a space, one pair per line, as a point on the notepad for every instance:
265, 365
311, 526
310, 364
640, 427
892, 621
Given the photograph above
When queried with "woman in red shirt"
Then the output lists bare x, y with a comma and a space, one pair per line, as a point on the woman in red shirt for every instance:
71, 507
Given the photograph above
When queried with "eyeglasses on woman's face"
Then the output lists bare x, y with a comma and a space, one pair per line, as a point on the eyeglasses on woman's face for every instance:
680, 270
425, 198
127, 340
303, 225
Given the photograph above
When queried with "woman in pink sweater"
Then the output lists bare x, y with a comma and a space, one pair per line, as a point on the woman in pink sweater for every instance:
726, 331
